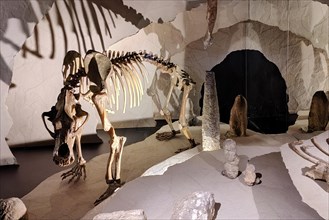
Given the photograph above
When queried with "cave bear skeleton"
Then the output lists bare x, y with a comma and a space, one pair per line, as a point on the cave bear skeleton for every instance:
99, 78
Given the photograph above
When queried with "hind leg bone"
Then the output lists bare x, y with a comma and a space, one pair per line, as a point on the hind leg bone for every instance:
167, 115
182, 120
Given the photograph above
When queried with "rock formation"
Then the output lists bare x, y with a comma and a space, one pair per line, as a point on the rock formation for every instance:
210, 115
198, 205
250, 177
12, 209
231, 166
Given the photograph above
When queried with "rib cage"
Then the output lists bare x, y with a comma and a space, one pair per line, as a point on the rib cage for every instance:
127, 75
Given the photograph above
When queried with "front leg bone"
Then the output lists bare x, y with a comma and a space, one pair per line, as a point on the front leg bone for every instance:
114, 160
113, 174
116, 143
112, 188
79, 169
116, 148
76, 172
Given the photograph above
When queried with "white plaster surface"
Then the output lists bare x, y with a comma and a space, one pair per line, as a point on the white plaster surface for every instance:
122, 215
202, 172
314, 193
163, 166
17, 20
6, 156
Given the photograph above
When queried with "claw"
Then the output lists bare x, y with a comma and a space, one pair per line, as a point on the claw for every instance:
164, 136
112, 188
193, 144
76, 172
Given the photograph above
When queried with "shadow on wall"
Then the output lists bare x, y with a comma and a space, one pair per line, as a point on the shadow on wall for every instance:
170, 35
25, 13
70, 16
83, 18
79, 12
324, 2
249, 73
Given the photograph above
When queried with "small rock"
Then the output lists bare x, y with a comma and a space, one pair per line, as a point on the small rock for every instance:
250, 177
198, 205
12, 209
231, 165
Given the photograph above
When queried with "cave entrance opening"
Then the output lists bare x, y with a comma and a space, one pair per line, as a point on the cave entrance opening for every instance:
251, 74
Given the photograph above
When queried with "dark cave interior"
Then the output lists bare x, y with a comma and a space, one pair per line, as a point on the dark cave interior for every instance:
249, 73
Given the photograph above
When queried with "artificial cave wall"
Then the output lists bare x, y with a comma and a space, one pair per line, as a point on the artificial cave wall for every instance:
291, 34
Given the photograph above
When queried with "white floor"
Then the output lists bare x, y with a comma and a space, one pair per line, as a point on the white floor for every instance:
275, 198
156, 192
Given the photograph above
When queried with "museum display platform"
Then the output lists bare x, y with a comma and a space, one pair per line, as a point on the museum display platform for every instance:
156, 178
